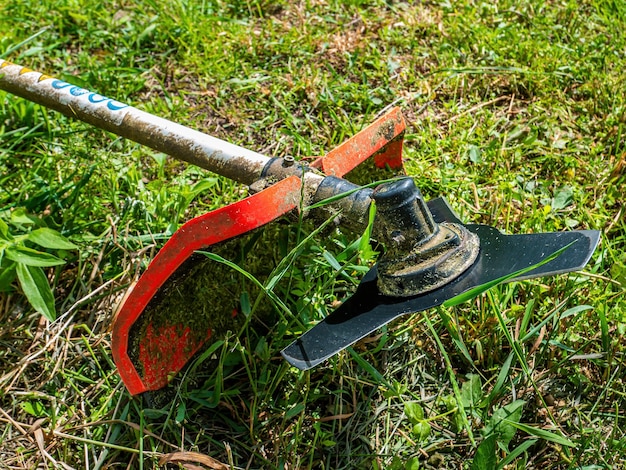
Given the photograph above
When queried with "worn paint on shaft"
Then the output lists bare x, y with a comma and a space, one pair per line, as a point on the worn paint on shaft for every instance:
210, 153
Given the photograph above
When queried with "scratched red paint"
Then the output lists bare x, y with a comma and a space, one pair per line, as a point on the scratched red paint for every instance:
164, 352
199, 233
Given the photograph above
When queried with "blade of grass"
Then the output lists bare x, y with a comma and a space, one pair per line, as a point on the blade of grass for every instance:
452, 377
515, 453
471, 293
541, 433
250, 277
339, 196
370, 369
21, 44
455, 335
502, 376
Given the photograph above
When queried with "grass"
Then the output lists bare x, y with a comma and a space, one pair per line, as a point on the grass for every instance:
516, 115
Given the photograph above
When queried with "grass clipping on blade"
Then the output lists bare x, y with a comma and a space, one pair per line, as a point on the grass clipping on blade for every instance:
476, 291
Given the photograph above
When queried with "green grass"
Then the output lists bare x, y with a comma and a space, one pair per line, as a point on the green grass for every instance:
516, 114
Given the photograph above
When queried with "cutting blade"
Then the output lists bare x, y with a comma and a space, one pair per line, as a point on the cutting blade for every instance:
500, 255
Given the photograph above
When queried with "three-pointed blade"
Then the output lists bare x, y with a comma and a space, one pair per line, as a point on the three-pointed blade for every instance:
500, 255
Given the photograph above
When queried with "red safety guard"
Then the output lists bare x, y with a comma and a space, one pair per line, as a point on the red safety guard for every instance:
167, 351
382, 139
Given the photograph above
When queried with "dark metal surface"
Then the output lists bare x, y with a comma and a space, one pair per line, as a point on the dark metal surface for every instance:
421, 254
500, 255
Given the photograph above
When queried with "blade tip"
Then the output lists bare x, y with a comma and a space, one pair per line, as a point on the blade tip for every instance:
301, 364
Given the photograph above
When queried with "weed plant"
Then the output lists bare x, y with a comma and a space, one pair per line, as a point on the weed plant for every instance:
516, 113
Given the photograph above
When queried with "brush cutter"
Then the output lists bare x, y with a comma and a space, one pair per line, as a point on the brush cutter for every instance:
430, 255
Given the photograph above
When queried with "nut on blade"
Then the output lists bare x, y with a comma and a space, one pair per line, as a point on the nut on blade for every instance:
440, 260
421, 255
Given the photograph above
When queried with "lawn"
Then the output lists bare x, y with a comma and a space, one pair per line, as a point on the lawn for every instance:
516, 113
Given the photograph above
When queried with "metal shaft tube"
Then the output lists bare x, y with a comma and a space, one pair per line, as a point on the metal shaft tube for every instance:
210, 153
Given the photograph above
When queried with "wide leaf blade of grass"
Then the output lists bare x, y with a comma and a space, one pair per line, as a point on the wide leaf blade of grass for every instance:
485, 457
541, 433
37, 290
49, 238
30, 257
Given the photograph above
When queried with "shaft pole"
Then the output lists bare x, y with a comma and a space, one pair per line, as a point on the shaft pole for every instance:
180, 142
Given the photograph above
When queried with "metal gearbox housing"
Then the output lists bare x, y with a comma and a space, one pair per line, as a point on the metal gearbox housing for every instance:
421, 255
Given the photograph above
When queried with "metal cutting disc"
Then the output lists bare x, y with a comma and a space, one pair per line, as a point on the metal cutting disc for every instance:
500, 255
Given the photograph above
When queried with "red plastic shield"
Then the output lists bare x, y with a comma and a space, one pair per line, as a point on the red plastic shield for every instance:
164, 348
